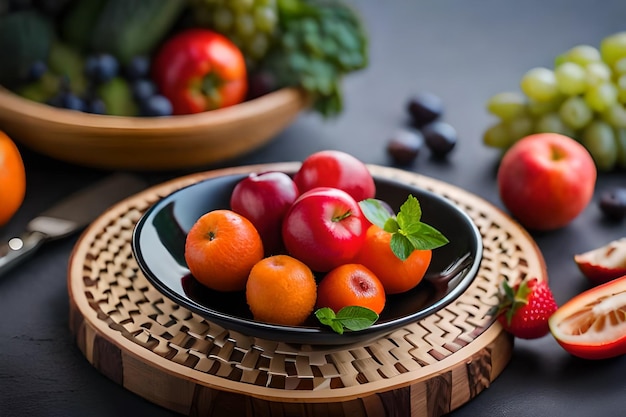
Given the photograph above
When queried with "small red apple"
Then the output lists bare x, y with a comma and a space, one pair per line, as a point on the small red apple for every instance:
324, 228
604, 263
546, 180
337, 169
264, 199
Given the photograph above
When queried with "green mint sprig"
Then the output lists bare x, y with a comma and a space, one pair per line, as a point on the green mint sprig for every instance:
353, 318
409, 233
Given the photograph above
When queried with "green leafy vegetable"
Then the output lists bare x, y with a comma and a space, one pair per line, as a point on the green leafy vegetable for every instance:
409, 233
353, 318
319, 41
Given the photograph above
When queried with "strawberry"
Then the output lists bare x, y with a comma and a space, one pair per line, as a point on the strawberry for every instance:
524, 309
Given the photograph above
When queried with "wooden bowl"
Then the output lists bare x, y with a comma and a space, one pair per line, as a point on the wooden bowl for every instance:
141, 143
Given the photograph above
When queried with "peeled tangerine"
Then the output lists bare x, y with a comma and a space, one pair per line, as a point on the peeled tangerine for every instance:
604, 263
592, 325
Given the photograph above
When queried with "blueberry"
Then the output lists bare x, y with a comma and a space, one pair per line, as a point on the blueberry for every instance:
138, 67
37, 70
404, 146
440, 137
67, 100
101, 68
157, 105
96, 106
425, 108
143, 89
613, 203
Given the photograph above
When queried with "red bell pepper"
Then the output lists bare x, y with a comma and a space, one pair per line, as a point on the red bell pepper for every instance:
199, 70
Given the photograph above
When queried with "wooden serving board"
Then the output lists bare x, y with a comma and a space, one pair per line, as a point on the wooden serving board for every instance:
171, 356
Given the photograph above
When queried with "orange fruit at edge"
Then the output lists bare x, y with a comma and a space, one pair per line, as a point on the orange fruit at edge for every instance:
351, 285
12, 179
397, 276
281, 290
221, 248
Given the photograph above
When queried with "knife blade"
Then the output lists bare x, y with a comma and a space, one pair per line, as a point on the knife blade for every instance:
69, 216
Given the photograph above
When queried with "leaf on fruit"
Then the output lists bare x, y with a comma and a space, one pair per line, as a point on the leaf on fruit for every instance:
409, 232
375, 212
353, 318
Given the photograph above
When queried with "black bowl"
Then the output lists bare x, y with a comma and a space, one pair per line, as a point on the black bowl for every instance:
159, 239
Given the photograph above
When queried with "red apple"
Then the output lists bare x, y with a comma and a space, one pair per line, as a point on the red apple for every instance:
546, 180
324, 228
337, 169
604, 263
264, 199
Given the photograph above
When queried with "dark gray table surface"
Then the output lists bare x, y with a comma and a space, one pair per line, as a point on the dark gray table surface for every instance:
460, 50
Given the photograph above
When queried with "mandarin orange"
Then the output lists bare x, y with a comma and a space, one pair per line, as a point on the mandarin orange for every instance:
221, 248
281, 290
351, 285
12, 179
396, 275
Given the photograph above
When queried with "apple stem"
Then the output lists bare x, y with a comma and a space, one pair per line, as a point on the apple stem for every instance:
342, 216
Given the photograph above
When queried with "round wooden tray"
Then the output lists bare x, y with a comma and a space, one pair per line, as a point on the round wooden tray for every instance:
170, 356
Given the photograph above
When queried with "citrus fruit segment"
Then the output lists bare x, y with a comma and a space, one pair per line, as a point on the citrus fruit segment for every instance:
592, 325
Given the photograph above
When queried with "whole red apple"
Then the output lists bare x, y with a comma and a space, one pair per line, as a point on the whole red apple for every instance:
546, 180
337, 169
264, 200
324, 228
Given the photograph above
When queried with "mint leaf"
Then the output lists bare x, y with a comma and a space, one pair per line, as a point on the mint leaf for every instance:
401, 246
410, 215
427, 237
375, 212
327, 317
353, 318
409, 233
356, 318
391, 225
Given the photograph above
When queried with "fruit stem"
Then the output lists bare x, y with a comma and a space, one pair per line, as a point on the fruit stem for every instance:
342, 216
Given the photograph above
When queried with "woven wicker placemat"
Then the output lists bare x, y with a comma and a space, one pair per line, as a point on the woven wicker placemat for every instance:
171, 356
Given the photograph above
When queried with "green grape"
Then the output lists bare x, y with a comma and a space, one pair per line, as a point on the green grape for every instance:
571, 78
540, 84
599, 139
620, 84
613, 48
507, 105
265, 19
552, 123
602, 96
619, 68
251, 24
620, 142
615, 115
598, 73
520, 127
538, 108
241, 6
498, 136
579, 54
575, 112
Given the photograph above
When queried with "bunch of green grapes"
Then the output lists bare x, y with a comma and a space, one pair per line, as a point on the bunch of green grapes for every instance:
583, 97
251, 24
